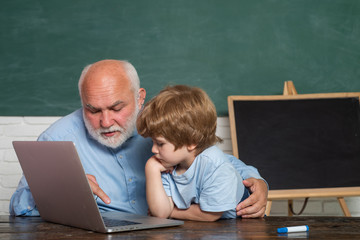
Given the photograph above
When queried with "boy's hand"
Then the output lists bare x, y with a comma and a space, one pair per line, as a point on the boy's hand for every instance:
154, 163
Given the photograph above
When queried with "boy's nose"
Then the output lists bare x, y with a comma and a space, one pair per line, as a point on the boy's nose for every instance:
154, 149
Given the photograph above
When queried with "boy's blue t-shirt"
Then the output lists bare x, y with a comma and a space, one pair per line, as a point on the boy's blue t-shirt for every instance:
211, 181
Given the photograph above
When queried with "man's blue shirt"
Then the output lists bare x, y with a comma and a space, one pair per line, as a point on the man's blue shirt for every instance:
119, 172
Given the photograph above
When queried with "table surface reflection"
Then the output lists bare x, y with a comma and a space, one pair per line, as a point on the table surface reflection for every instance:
320, 228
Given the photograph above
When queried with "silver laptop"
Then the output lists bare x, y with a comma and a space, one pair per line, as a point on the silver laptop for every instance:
63, 195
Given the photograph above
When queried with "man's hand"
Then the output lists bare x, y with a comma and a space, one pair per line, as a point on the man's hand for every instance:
254, 206
97, 190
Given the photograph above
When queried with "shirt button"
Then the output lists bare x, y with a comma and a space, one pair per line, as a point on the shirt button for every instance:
133, 201
130, 180
29, 208
120, 156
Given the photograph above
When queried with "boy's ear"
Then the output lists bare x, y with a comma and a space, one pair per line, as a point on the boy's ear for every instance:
191, 147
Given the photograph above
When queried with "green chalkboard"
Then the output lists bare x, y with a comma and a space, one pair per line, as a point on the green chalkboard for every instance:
227, 47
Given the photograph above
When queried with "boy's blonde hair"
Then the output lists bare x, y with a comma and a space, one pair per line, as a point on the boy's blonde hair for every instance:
182, 115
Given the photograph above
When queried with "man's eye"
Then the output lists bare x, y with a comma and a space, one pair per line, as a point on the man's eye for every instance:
118, 109
93, 111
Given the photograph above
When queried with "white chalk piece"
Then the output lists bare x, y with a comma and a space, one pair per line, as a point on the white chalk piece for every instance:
303, 228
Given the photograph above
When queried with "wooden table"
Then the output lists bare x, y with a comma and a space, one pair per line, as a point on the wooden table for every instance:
320, 228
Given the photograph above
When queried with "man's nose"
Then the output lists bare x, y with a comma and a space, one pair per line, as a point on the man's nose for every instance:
106, 120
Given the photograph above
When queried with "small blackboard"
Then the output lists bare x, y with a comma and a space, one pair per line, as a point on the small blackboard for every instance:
299, 141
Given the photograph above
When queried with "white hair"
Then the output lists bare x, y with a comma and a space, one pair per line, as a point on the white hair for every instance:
130, 71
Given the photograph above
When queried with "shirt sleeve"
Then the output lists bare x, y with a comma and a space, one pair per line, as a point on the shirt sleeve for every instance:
244, 170
222, 191
45, 137
165, 178
22, 202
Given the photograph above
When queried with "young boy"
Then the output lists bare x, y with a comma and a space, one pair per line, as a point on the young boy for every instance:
187, 167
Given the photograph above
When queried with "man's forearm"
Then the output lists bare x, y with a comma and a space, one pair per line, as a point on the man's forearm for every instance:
22, 202
244, 170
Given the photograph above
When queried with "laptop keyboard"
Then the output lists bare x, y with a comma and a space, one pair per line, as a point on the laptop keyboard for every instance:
109, 222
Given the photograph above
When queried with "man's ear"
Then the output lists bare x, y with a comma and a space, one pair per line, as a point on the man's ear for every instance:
141, 98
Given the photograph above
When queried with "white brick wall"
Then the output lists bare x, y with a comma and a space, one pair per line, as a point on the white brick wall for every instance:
15, 128
28, 128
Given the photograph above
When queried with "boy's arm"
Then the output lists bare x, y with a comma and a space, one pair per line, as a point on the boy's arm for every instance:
194, 213
160, 205
221, 190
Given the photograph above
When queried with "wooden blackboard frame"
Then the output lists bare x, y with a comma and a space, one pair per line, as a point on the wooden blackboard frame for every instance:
291, 94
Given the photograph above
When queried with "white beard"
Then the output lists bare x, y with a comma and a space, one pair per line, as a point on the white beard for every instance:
114, 141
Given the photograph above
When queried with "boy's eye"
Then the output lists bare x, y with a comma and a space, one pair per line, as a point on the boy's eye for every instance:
159, 143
